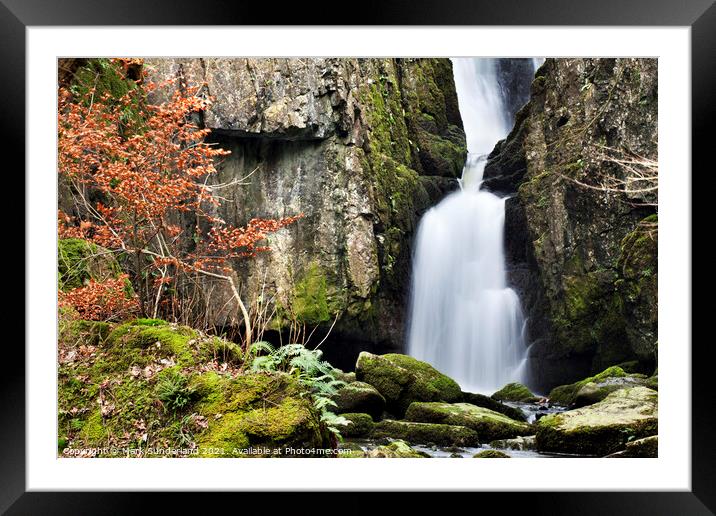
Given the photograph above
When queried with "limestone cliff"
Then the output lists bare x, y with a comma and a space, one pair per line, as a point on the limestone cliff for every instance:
359, 146
582, 258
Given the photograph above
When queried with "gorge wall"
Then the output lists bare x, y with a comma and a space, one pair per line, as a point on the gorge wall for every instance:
360, 147
583, 259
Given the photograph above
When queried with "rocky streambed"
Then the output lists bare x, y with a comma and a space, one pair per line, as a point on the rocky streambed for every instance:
401, 407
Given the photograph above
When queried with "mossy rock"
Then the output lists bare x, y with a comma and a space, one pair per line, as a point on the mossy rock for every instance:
426, 433
402, 380
360, 425
343, 376
488, 425
79, 331
645, 448
398, 449
79, 261
146, 387
652, 382
595, 388
258, 411
491, 454
515, 392
137, 341
480, 400
518, 443
564, 394
602, 428
359, 397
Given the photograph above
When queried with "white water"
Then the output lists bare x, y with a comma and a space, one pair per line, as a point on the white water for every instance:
465, 320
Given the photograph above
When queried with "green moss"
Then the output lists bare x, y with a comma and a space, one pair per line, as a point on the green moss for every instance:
398, 449
360, 425
151, 337
515, 392
79, 261
480, 400
488, 424
268, 418
359, 397
565, 394
103, 76
426, 433
402, 379
490, 454
310, 301
77, 331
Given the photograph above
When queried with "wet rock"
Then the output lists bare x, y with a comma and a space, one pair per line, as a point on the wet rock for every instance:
518, 443
602, 428
397, 449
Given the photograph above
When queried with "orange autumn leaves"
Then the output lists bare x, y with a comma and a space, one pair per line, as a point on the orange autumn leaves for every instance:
101, 301
138, 173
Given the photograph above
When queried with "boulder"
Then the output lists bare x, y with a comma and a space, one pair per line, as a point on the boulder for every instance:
426, 433
595, 388
480, 400
490, 454
359, 425
602, 428
488, 424
396, 450
648, 447
359, 397
518, 443
402, 380
515, 392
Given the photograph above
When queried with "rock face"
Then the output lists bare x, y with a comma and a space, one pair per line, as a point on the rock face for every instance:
402, 380
361, 147
602, 428
583, 260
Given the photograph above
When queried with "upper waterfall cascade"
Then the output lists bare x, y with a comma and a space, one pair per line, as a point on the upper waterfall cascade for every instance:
464, 318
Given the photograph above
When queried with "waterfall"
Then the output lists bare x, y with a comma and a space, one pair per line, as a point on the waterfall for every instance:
464, 319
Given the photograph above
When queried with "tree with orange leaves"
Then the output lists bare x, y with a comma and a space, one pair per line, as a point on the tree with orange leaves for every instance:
138, 172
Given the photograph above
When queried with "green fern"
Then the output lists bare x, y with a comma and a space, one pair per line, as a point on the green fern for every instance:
307, 366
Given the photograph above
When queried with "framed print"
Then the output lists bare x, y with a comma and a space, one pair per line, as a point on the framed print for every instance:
316, 246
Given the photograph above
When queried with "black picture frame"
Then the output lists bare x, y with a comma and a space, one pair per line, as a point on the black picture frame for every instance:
17, 15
